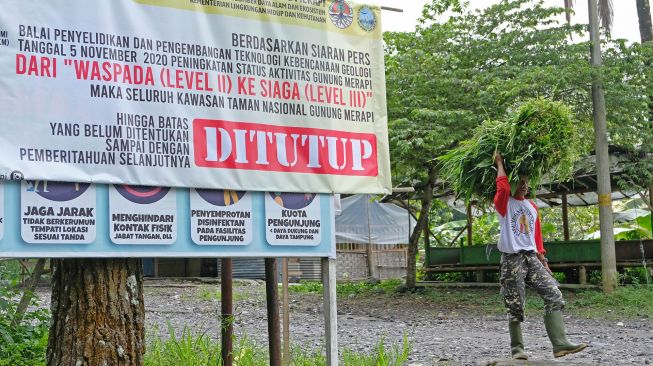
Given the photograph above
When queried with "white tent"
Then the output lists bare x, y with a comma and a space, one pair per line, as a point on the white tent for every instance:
365, 221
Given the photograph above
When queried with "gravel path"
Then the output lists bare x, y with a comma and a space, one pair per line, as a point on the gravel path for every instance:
438, 335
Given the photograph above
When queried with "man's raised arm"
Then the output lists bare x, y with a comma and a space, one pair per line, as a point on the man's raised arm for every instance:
503, 187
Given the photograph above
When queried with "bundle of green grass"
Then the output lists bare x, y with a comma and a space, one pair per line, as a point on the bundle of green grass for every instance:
538, 138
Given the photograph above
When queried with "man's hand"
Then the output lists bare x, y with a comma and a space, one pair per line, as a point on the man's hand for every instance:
498, 160
544, 261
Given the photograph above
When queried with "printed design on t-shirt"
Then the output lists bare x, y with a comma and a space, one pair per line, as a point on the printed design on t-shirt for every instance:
522, 222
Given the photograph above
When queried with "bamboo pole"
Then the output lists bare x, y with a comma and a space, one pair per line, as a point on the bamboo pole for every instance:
565, 217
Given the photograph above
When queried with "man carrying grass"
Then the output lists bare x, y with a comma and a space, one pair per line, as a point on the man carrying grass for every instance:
523, 263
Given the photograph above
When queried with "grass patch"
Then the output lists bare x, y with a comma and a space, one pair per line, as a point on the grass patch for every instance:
625, 302
395, 356
188, 349
307, 287
199, 349
633, 301
303, 357
349, 289
211, 293
485, 300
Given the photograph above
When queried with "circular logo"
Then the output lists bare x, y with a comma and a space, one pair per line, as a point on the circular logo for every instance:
366, 18
341, 14
141, 194
57, 191
522, 222
219, 197
293, 201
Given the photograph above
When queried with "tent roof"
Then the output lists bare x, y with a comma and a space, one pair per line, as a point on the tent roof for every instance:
581, 191
387, 224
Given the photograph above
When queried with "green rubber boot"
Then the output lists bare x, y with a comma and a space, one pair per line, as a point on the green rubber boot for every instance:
516, 341
555, 328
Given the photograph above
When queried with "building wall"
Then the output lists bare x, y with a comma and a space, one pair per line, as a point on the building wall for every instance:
351, 264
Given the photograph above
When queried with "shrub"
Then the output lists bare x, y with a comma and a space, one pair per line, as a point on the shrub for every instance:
26, 343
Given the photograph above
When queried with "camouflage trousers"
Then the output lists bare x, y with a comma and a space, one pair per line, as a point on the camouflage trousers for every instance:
523, 269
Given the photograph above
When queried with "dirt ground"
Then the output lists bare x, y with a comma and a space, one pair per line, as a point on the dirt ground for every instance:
439, 334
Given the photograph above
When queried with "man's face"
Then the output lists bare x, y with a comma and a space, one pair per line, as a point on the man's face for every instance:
522, 187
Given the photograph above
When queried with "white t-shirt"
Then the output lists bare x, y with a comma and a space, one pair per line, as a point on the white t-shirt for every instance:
518, 220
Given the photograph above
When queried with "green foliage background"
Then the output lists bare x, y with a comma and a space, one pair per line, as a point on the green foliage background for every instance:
461, 67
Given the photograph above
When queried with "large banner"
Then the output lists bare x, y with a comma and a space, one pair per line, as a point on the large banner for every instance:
252, 95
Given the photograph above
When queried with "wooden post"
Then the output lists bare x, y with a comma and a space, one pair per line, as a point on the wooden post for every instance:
286, 311
480, 276
272, 297
372, 270
608, 256
565, 218
226, 299
469, 224
470, 236
156, 267
330, 310
582, 275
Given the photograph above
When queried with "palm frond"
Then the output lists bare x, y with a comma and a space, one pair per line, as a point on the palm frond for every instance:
606, 14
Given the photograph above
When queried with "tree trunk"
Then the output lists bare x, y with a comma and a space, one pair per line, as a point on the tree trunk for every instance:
98, 316
427, 244
646, 34
644, 17
422, 221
